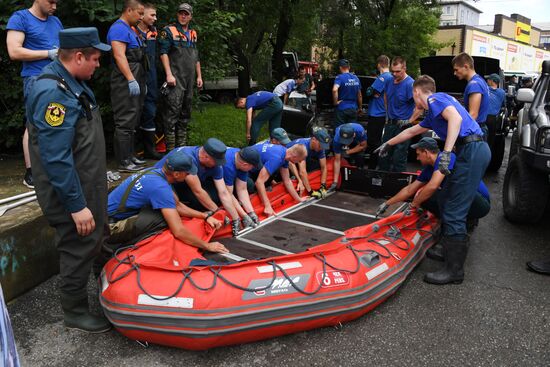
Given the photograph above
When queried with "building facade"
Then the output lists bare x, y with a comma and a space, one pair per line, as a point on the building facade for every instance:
458, 13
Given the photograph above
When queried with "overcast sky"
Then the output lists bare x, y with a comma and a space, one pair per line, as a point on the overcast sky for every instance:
537, 10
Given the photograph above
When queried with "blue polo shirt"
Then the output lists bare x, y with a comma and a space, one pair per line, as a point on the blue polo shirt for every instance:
478, 85
259, 100
437, 102
122, 32
39, 35
149, 190
310, 152
272, 155
400, 99
428, 171
348, 87
380, 85
360, 136
215, 172
496, 100
230, 171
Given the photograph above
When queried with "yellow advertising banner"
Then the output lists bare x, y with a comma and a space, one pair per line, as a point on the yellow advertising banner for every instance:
523, 32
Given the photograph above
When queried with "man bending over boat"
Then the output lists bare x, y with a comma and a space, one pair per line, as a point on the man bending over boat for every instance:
145, 203
427, 190
350, 138
197, 191
276, 157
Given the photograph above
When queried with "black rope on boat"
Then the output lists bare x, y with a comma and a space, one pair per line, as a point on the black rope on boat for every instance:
227, 281
303, 291
180, 286
323, 258
214, 279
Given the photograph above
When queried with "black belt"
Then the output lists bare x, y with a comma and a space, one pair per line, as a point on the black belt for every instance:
468, 139
396, 121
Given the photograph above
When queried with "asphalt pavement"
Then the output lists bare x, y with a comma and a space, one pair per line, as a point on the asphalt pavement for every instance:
499, 316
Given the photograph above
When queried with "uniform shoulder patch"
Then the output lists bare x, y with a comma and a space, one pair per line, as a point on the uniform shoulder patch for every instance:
55, 114
163, 34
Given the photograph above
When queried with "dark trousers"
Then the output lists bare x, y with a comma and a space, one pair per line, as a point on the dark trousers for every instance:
149, 112
186, 196
396, 160
491, 129
480, 206
345, 116
375, 127
460, 188
272, 114
136, 228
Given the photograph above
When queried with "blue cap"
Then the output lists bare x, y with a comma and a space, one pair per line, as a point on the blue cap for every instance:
81, 37
251, 156
178, 161
281, 135
216, 149
343, 62
322, 135
494, 77
426, 143
346, 134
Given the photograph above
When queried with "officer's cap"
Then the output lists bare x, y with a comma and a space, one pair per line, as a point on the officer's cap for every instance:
81, 37
251, 156
426, 143
343, 63
346, 134
180, 162
494, 77
321, 134
281, 135
185, 7
216, 149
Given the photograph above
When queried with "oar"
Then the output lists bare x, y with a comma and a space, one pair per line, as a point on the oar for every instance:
17, 197
5, 208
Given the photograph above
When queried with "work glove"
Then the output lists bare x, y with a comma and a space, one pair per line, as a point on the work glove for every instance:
52, 54
133, 86
444, 162
254, 217
235, 227
248, 222
323, 191
383, 150
333, 186
402, 123
315, 194
382, 209
226, 220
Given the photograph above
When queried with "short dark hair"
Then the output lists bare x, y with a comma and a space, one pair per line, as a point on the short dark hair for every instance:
131, 4
149, 6
463, 59
302, 67
425, 83
65, 53
383, 61
399, 60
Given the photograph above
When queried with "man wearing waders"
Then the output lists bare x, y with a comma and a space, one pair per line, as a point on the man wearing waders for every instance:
128, 79
180, 60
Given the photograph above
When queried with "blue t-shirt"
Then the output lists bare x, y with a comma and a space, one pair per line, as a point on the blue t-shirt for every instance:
310, 152
380, 85
149, 190
478, 85
348, 87
230, 171
428, 171
215, 172
360, 136
286, 86
39, 35
496, 100
437, 102
122, 32
272, 155
259, 100
400, 99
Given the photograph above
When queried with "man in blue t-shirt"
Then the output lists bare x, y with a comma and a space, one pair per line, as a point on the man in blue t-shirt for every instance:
346, 95
401, 113
497, 99
128, 83
377, 114
145, 203
476, 94
315, 146
235, 175
276, 158
352, 139
33, 39
271, 111
206, 189
452, 123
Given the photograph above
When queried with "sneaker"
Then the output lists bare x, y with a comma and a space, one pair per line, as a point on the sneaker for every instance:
135, 160
27, 180
128, 166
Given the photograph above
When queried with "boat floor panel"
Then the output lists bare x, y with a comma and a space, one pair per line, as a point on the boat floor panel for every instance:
358, 203
247, 250
329, 218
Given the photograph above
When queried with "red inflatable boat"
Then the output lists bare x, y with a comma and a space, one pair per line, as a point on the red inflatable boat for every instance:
317, 263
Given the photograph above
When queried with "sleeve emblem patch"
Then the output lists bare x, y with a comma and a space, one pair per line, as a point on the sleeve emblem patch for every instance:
55, 114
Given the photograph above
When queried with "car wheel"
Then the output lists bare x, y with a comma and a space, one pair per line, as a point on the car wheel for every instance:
524, 193
514, 145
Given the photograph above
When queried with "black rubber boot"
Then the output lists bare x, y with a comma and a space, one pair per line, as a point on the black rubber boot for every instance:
124, 147
540, 266
454, 252
77, 315
135, 160
149, 146
436, 252
170, 141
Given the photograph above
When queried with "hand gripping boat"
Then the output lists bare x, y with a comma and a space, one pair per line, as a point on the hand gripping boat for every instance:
317, 263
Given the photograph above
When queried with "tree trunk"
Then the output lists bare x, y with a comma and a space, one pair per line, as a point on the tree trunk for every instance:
286, 21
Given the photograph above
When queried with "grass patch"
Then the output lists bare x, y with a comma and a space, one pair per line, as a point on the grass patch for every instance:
221, 121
